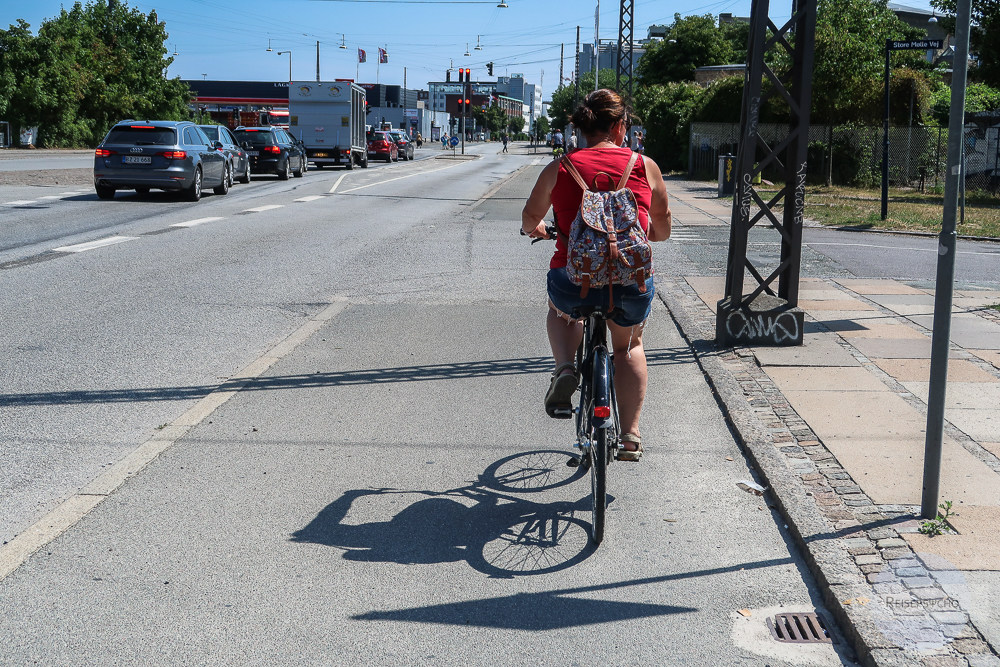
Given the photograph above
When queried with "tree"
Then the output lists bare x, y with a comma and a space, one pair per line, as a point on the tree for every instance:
516, 124
850, 58
667, 111
984, 39
86, 69
562, 107
690, 42
541, 127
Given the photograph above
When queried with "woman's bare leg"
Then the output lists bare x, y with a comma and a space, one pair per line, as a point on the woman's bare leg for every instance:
630, 375
564, 337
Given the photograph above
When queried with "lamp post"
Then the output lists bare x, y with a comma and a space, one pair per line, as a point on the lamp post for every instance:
281, 53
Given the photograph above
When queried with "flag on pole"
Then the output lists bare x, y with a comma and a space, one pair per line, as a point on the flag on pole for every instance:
362, 56
383, 55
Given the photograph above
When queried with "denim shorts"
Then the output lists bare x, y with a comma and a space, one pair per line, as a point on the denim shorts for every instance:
631, 306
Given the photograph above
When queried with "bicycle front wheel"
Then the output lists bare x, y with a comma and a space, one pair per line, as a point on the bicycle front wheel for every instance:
598, 482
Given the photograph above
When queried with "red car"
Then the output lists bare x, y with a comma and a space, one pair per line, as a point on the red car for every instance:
382, 146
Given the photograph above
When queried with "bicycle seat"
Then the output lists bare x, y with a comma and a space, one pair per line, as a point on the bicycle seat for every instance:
586, 311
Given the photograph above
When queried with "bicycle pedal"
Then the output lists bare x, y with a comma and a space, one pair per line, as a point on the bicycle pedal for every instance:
574, 462
561, 413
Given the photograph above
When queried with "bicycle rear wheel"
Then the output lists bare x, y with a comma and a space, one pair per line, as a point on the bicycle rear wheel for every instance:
598, 482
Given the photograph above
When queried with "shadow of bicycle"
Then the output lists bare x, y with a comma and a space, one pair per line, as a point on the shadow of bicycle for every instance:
491, 523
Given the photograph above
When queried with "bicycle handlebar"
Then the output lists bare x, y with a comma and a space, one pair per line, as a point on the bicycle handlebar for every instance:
550, 233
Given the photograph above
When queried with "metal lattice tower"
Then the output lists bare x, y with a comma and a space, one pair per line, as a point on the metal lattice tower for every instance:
763, 316
623, 68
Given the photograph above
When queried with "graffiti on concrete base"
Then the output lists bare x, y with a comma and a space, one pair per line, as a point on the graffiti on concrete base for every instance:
776, 327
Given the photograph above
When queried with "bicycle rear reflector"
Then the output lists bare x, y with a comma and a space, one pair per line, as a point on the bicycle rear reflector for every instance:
602, 411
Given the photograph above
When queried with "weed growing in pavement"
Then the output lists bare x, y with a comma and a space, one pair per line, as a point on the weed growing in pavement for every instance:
162, 426
939, 524
995, 306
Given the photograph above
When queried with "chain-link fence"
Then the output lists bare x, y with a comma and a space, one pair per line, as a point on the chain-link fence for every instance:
852, 155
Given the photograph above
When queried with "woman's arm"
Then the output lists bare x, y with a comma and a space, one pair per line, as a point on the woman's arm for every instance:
659, 209
539, 201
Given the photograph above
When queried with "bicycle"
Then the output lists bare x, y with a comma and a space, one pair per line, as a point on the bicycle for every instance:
597, 423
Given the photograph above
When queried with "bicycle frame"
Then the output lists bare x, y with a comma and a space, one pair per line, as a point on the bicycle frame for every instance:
595, 362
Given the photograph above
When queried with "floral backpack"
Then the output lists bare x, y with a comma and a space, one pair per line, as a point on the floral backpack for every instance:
607, 245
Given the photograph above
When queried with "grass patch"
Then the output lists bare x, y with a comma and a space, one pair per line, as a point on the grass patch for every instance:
995, 306
908, 210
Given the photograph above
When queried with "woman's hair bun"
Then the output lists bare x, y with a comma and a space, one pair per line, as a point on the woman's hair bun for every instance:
599, 111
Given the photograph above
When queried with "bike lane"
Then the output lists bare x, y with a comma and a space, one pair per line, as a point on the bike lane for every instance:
386, 488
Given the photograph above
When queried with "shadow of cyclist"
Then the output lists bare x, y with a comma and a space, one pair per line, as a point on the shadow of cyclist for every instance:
501, 539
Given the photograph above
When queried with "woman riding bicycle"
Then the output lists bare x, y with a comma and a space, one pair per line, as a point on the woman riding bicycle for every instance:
603, 118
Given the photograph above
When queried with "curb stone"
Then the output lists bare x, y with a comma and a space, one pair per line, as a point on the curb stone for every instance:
827, 514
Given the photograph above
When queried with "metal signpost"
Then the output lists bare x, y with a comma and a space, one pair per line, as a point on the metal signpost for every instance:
944, 287
890, 46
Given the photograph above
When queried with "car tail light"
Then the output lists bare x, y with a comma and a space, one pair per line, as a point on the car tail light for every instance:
142, 127
602, 411
174, 155
272, 149
103, 152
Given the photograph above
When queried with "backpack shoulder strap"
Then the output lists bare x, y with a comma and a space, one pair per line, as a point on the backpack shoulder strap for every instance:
628, 171
572, 171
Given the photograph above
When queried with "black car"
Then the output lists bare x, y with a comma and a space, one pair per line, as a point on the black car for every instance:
272, 151
161, 154
239, 161
404, 144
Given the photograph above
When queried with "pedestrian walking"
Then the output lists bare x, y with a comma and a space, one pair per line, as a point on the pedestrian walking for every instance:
504, 139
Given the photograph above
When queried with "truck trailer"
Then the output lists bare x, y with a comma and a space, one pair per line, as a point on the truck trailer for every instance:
329, 118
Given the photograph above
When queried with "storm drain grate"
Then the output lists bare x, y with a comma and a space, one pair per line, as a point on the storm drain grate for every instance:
798, 629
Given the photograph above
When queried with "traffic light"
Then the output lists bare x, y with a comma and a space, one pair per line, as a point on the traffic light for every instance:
461, 75
468, 77
489, 68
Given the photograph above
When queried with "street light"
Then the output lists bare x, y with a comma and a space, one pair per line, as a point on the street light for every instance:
343, 41
467, 54
268, 44
281, 53
502, 5
478, 47
175, 50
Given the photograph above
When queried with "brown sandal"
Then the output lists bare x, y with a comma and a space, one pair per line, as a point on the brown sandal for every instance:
630, 454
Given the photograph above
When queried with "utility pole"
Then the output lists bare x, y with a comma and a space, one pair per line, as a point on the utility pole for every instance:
576, 73
317, 61
597, 43
623, 65
561, 53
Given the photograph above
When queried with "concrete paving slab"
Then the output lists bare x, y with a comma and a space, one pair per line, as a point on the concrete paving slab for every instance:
816, 350
980, 425
976, 547
904, 348
992, 447
868, 287
977, 294
823, 292
975, 302
963, 395
968, 330
906, 304
826, 378
700, 284
853, 320
991, 356
858, 415
810, 304
965, 480
919, 370
977, 593
885, 331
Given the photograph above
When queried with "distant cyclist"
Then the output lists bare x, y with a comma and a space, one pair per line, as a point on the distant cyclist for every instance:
557, 141
604, 119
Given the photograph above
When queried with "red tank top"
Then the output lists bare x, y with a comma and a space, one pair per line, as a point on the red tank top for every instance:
601, 168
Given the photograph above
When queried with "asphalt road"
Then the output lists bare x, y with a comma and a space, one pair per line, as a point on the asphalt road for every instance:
387, 490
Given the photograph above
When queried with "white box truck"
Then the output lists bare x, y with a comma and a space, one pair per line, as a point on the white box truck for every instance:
329, 118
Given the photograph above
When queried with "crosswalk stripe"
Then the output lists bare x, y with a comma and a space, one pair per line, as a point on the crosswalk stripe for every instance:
195, 223
261, 209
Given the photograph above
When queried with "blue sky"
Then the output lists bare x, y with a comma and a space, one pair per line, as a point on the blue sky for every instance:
228, 40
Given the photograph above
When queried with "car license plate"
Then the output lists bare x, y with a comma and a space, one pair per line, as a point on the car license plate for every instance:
137, 159
320, 155
253, 153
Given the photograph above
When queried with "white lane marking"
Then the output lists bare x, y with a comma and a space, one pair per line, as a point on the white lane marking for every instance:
261, 209
91, 245
195, 222
334, 188
890, 247
310, 198
68, 194
399, 178
19, 202
51, 197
